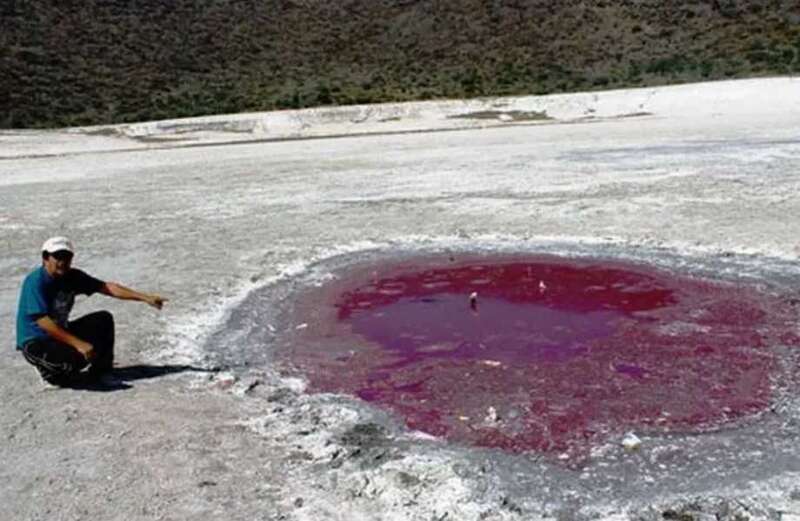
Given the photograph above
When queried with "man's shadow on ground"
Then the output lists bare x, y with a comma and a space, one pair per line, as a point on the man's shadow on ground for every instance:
119, 378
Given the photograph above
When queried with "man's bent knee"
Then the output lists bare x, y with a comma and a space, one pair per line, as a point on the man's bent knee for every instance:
105, 316
57, 363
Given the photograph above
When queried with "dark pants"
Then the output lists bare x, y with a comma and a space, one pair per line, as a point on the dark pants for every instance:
61, 364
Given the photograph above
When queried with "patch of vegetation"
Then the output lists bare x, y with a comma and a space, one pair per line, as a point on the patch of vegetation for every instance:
111, 61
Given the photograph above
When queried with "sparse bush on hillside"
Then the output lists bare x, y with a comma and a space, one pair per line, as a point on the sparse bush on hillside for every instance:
104, 61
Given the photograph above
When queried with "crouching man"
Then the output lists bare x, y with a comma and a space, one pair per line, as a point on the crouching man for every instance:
59, 348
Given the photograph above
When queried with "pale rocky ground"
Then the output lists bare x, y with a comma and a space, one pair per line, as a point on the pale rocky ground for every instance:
211, 210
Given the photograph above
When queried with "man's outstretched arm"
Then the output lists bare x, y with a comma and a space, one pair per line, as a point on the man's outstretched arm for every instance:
112, 289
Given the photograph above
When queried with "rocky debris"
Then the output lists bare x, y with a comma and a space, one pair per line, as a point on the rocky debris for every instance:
251, 384
243, 384
300, 456
223, 381
709, 509
405, 479
671, 515
364, 435
70, 414
282, 395
510, 505
369, 443
631, 442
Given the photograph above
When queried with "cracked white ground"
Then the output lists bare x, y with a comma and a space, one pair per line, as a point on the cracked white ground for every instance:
684, 180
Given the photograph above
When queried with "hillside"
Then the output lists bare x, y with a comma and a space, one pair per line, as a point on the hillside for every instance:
78, 62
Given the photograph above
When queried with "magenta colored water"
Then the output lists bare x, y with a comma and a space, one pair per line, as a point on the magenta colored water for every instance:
516, 317
542, 354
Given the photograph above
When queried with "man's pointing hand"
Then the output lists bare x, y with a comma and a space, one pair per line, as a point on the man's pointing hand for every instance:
156, 301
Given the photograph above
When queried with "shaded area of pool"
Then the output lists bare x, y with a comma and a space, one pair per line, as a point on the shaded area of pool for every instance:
542, 354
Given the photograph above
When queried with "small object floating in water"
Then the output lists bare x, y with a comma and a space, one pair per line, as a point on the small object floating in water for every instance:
542, 286
631, 442
491, 415
301, 326
473, 300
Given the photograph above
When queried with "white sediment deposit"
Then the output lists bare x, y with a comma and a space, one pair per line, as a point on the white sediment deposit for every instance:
209, 209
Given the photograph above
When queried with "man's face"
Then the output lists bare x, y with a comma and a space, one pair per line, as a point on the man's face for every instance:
58, 263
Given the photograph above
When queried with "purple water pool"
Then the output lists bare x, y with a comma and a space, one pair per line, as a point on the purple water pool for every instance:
540, 353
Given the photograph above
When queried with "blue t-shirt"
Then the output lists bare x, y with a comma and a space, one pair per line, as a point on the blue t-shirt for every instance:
43, 294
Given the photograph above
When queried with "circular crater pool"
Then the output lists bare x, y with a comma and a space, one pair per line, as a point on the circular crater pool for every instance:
539, 353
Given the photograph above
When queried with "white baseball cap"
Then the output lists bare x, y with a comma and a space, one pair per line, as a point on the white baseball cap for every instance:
54, 244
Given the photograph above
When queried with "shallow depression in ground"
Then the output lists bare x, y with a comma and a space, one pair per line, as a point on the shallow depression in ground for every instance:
542, 354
